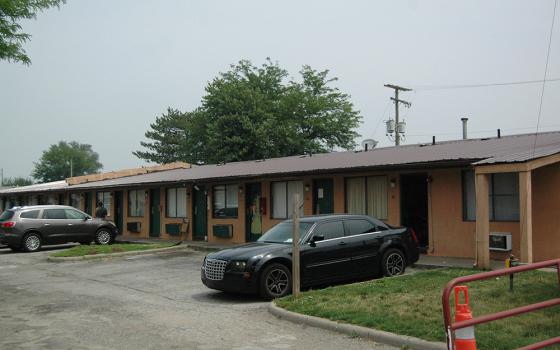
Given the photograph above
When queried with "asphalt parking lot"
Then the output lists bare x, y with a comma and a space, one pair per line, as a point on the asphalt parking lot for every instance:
143, 302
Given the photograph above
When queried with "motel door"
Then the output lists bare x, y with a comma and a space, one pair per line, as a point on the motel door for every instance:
323, 198
414, 206
154, 213
200, 213
119, 211
87, 203
254, 210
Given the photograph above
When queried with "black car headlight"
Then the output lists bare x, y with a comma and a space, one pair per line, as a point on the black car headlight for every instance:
237, 265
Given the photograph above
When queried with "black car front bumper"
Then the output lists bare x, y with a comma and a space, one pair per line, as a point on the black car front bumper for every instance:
234, 282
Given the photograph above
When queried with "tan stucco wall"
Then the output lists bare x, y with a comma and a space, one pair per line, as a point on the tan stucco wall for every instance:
185, 222
144, 220
546, 212
449, 234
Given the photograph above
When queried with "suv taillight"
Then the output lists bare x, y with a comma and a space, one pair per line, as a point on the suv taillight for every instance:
8, 224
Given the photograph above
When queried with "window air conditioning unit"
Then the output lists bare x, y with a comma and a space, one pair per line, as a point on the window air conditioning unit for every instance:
500, 241
134, 227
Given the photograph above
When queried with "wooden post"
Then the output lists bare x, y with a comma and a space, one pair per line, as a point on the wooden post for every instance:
482, 222
525, 217
295, 248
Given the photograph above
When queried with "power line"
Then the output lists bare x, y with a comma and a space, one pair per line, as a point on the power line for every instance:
468, 86
545, 73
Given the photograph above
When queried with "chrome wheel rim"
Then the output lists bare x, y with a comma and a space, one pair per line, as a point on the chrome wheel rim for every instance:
103, 237
395, 264
32, 243
277, 282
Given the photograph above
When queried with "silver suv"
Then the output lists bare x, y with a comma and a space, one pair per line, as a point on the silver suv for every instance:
28, 228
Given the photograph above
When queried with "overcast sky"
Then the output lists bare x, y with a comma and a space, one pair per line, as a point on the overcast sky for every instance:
103, 70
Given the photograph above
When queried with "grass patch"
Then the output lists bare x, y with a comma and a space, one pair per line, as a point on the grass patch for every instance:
411, 305
83, 250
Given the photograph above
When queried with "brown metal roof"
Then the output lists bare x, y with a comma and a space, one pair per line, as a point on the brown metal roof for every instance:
507, 149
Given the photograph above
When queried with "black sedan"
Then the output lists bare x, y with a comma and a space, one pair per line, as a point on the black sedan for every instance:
333, 248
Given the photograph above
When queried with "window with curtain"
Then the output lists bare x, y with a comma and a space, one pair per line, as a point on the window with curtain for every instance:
176, 202
75, 200
104, 197
367, 195
225, 201
136, 201
503, 195
282, 193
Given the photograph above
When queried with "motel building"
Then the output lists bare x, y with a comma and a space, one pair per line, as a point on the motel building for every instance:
475, 198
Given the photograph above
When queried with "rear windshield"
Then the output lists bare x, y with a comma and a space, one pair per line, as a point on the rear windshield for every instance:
6, 215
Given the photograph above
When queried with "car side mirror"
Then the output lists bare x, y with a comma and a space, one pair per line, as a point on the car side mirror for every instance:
86, 218
316, 238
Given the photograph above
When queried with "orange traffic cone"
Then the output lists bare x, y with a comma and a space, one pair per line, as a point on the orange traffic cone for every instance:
464, 337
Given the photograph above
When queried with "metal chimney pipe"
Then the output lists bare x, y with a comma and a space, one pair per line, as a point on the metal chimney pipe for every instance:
464, 120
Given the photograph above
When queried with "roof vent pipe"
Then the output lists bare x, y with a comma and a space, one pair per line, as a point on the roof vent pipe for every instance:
464, 120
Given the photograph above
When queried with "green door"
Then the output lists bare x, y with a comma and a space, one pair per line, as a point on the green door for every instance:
200, 218
119, 211
323, 197
253, 212
87, 204
154, 213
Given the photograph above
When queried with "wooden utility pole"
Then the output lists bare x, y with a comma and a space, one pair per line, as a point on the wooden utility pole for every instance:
295, 247
397, 101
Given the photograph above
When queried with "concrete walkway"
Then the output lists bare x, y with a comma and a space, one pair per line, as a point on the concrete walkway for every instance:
424, 261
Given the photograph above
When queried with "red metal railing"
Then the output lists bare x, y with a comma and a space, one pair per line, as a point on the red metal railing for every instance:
451, 327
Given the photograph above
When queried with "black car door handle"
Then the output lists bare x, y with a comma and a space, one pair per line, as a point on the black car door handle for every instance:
341, 243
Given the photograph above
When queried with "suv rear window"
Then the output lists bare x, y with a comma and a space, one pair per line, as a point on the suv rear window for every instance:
6, 215
30, 214
54, 214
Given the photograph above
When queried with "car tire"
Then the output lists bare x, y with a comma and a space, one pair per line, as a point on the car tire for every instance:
32, 242
393, 262
103, 237
276, 281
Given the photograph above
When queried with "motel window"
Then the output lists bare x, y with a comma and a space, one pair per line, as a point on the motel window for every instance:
75, 200
367, 196
51, 199
136, 199
224, 200
282, 198
503, 198
104, 197
176, 202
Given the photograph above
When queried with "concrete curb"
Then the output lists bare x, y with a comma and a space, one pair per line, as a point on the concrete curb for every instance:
132, 253
203, 248
396, 340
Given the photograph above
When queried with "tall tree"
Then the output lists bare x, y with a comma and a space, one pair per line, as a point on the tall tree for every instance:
64, 159
16, 181
253, 112
176, 136
11, 36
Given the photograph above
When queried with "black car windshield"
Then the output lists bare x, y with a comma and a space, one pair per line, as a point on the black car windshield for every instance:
282, 233
6, 215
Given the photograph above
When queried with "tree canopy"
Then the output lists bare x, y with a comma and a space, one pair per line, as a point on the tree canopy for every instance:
11, 36
254, 112
66, 159
16, 181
